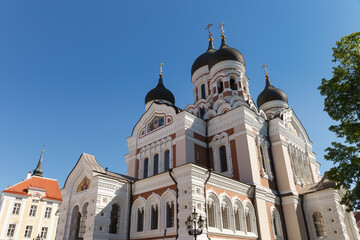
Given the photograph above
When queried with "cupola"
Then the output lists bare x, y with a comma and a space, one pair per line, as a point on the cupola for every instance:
203, 59
160, 92
270, 93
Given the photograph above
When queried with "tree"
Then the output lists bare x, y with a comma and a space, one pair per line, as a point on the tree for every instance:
342, 103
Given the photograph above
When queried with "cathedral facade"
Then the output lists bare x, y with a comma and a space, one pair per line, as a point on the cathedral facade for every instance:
248, 170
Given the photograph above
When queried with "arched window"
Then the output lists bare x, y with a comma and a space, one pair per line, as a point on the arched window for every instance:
220, 86
319, 224
146, 167
276, 223
233, 84
75, 223
201, 112
114, 219
140, 220
170, 213
154, 216
156, 164
166, 160
225, 215
223, 159
203, 94
239, 216
250, 219
211, 214
262, 157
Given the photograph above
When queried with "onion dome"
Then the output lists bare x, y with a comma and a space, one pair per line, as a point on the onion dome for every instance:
270, 93
225, 53
203, 59
160, 92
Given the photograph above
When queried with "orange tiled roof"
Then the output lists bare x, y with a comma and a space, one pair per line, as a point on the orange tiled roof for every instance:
49, 185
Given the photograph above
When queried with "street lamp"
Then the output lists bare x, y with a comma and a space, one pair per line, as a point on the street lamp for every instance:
194, 224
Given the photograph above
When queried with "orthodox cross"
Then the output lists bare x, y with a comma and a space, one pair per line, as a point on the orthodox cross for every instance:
208, 28
222, 29
43, 147
264, 67
161, 64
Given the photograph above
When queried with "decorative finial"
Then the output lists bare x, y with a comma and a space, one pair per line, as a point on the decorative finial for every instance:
222, 28
161, 64
209, 28
264, 67
43, 147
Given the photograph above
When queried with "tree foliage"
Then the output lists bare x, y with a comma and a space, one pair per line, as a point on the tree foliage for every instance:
342, 103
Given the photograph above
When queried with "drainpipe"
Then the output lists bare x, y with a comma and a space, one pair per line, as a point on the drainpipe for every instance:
207, 227
256, 213
303, 212
130, 206
177, 203
276, 183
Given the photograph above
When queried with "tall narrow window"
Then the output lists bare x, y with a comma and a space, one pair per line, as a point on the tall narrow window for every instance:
319, 224
146, 166
201, 112
28, 231
248, 221
211, 214
16, 208
223, 160
237, 219
275, 225
32, 212
78, 225
154, 217
140, 220
166, 160
233, 84
170, 214
225, 216
156, 164
11, 230
47, 212
262, 158
44, 232
203, 95
114, 219
220, 86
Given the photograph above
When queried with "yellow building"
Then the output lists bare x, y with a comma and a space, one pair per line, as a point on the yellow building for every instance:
29, 209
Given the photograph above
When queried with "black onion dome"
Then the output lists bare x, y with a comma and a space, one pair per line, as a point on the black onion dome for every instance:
160, 92
225, 53
270, 93
203, 59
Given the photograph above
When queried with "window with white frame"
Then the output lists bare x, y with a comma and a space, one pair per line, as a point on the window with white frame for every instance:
44, 231
300, 165
264, 159
166, 160
47, 212
225, 208
140, 219
233, 84
239, 216
203, 93
16, 209
222, 154
156, 164
211, 214
146, 168
213, 210
154, 217
250, 218
32, 212
276, 223
28, 231
220, 86
170, 213
11, 230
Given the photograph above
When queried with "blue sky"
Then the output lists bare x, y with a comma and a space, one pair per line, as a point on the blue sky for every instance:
74, 74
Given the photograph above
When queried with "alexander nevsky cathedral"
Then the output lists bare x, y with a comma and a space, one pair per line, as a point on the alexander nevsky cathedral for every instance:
225, 167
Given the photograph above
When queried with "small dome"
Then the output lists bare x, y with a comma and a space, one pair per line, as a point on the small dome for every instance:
160, 92
270, 93
203, 59
225, 53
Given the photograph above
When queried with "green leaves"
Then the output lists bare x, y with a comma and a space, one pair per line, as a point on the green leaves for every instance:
342, 103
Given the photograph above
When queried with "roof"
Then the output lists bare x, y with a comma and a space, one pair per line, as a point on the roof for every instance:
270, 93
50, 186
160, 92
203, 59
324, 183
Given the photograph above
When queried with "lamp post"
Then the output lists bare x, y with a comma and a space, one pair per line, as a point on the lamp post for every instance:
194, 224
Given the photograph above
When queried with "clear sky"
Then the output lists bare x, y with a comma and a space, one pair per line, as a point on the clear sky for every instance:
74, 74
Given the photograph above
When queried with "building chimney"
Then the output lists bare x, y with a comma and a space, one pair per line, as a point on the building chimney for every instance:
28, 175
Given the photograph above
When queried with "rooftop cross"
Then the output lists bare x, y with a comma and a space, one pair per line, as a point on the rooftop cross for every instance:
208, 28
264, 67
161, 64
222, 29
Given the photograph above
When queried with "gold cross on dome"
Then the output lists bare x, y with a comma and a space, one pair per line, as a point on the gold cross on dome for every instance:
264, 67
222, 28
161, 64
43, 147
208, 28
